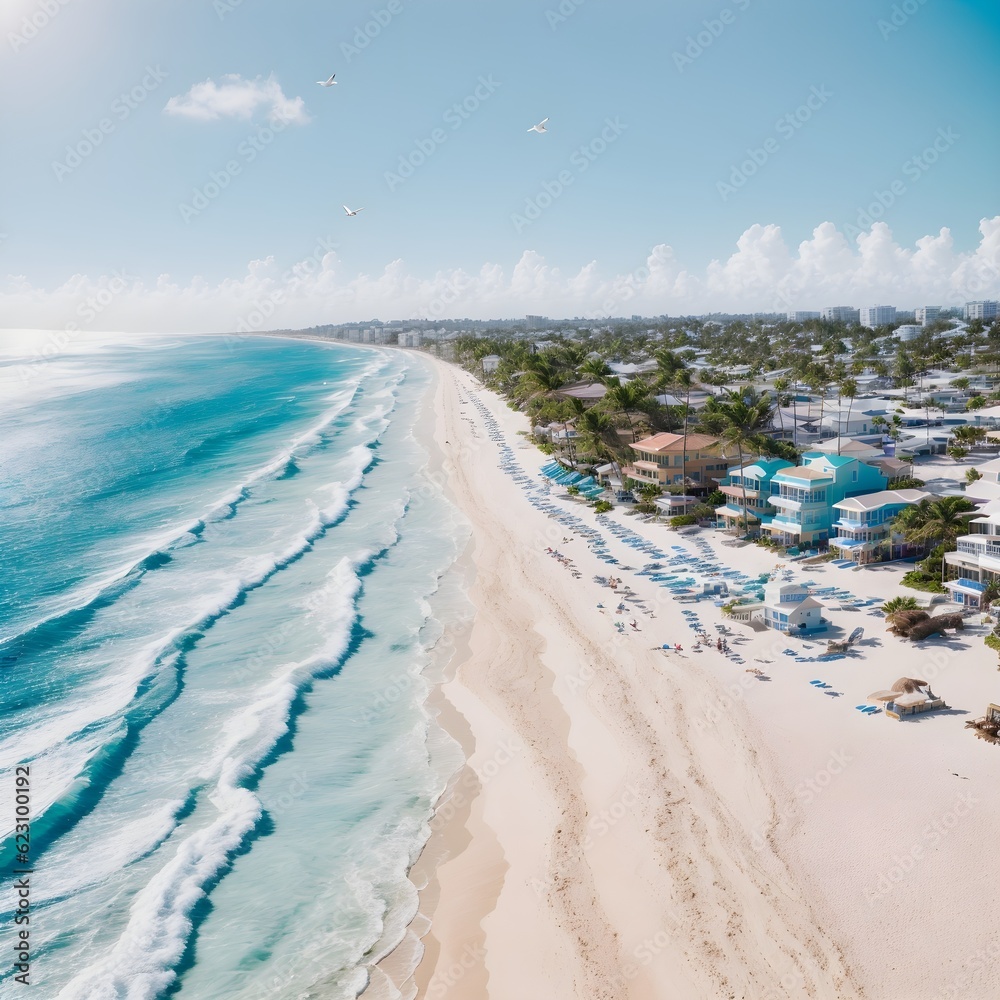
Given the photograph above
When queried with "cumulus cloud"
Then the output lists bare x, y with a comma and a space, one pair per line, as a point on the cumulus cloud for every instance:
762, 275
235, 97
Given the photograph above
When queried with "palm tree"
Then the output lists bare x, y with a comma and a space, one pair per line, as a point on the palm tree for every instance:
968, 434
991, 592
817, 380
746, 415
596, 434
781, 388
899, 604
685, 380
626, 398
940, 521
594, 368
848, 388
542, 377
668, 364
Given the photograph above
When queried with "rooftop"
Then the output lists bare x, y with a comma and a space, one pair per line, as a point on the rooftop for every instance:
674, 442
804, 472
835, 461
872, 501
762, 466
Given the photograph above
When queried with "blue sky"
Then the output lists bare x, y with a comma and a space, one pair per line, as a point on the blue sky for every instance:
662, 124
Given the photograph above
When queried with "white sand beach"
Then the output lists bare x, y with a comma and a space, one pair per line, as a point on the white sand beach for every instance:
636, 823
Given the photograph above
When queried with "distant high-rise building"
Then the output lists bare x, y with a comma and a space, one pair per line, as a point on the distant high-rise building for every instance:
536, 322
925, 315
874, 316
986, 310
800, 316
908, 331
840, 314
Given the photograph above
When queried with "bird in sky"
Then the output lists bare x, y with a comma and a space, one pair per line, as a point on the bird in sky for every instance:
540, 127
352, 212
328, 83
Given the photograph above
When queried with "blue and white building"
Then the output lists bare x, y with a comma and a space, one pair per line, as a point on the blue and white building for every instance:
790, 607
863, 529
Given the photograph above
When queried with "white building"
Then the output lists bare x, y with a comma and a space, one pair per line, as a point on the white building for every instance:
986, 310
925, 315
908, 332
875, 316
840, 314
789, 607
490, 363
410, 338
799, 316
864, 525
976, 562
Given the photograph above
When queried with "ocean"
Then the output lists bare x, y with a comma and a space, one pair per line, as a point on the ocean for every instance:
223, 582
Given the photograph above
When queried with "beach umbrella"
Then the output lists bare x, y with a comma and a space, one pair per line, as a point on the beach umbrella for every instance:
883, 696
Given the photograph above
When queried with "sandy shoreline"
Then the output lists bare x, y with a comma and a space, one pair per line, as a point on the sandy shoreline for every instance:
643, 825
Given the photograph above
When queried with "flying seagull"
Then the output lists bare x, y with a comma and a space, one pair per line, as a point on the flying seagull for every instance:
540, 127
328, 83
352, 212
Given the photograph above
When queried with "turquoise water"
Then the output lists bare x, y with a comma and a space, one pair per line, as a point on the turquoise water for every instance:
220, 583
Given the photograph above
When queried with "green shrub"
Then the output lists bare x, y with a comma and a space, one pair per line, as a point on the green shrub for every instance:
682, 520
603, 506
917, 579
573, 491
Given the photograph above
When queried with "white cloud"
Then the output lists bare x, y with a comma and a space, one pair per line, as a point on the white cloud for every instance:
762, 275
235, 97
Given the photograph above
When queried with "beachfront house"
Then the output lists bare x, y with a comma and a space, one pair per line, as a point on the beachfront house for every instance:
976, 561
805, 496
863, 526
662, 459
789, 607
752, 482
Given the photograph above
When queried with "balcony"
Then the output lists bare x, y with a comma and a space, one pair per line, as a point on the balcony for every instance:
853, 527
983, 548
736, 492
643, 470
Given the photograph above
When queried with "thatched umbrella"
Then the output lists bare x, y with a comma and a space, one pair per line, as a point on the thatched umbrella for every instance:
883, 696
907, 685
908, 616
910, 700
900, 622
